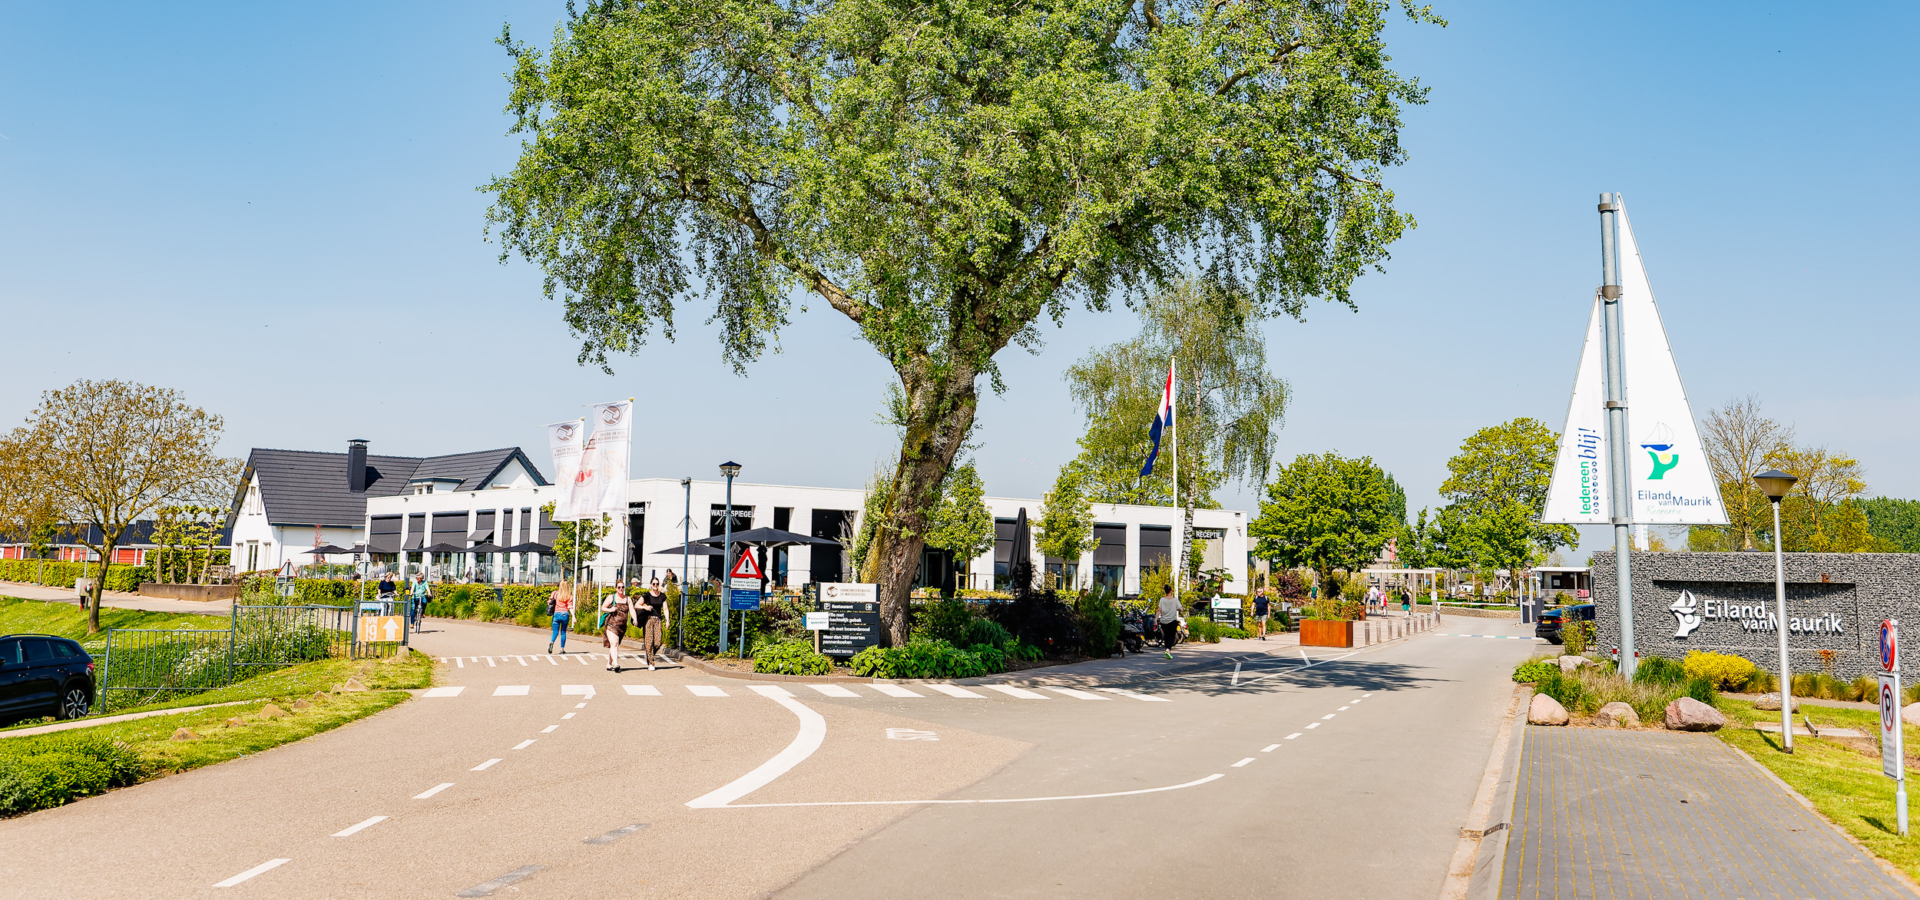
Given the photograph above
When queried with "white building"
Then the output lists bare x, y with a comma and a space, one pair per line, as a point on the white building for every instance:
662, 512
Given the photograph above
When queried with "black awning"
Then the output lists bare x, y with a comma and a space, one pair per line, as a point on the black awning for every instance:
480, 537
414, 541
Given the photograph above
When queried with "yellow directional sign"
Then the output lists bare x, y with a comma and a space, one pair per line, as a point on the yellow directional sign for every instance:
376, 629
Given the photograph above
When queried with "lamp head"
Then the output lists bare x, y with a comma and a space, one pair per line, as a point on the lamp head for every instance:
729, 469
1774, 483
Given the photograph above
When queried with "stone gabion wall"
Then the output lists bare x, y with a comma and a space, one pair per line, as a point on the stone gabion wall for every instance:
1854, 591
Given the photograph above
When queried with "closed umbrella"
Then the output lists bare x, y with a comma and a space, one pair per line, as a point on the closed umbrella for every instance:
688, 550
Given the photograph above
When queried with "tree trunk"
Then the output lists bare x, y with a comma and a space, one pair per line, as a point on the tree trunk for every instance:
100, 583
939, 416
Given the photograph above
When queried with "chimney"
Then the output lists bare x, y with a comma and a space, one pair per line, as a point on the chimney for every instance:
357, 465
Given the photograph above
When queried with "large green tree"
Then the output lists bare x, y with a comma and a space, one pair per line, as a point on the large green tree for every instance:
945, 176
1327, 512
1227, 406
1895, 522
1497, 488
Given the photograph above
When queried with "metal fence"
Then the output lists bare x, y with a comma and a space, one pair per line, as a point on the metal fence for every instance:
257, 638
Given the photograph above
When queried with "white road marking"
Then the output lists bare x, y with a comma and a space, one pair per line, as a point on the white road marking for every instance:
263, 867
1314, 725
1243, 762
486, 888
1135, 695
576, 690
569, 716
511, 690
706, 690
1269, 748
1345, 708
1328, 716
955, 691
550, 658
640, 690
522, 659
1364, 696
910, 734
583, 660
484, 766
833, 690
524, 744
615, 834
813, 731
432, 791
459, 662
444, 691
1019, 693
1292, 736
490, 662
768, 690
549, 729
580, 705
893, 690
353, 829
1172, 787
1077, 694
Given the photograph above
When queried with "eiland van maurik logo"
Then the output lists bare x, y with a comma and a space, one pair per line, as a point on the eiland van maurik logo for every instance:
1659, 445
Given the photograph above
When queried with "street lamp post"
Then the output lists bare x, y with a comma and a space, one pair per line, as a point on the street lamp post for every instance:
728, 469
1776, 484
686, 543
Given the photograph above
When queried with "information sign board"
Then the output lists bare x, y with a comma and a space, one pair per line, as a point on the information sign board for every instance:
381, 629
819, 621
853, 618
744, 599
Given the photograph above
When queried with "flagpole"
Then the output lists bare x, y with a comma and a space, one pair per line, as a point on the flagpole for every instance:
1180, 525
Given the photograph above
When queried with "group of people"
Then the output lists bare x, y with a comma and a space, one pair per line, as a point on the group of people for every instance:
647, 611
1378, 599
417, 595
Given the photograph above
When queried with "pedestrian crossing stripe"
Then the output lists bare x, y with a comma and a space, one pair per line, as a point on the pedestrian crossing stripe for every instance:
826, 690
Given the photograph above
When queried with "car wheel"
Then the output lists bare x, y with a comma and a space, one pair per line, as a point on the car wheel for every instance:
74, 703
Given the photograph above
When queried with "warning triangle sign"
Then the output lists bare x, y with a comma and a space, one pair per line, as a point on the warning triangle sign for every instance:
746, 567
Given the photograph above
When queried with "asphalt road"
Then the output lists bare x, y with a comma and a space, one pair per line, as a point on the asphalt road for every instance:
1342, 774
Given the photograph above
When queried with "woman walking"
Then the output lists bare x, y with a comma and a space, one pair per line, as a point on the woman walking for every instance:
616, 607
651, 610
560, 607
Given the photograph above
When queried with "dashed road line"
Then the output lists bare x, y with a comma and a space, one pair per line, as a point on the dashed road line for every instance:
1328, 716
1077, 694
444, 691
568, 716
893, 690
350, 830
1243, 762
706, 690
484, 766
1269, 748
641, 690
486, 888
429, 792
512, 690
524, 744
1293, 735
955, 691
549, 729
1014, 692
1314, 725
833, 690
269, 865
615, 834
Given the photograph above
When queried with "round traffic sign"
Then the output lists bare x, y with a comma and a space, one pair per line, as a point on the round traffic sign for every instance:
1889, 653
1889, 708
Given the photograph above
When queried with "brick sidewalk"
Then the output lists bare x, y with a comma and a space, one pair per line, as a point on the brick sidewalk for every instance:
1601, 813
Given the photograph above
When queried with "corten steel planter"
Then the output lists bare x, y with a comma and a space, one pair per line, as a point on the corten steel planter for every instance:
1322, 633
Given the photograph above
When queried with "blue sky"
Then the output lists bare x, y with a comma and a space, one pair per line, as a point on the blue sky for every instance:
274, 209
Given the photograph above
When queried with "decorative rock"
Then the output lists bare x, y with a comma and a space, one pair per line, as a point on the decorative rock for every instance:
1911, 714
353, 684
320, 697
1570, 663
236, 722
1771, 703
1688, 714
1545, 710
301, 704
182, 734
271, 711
1617, 715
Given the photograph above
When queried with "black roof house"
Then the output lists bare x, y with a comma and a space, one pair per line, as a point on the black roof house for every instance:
304, 487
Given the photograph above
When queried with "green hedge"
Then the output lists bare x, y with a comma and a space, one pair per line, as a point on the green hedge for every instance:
791, 658
928, 659
45, 771
55, 573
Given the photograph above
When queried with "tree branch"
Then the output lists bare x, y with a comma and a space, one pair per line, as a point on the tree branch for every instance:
1279, 56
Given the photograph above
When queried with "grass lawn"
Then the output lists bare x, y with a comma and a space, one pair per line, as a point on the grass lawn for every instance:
1840, 777
222, 733
67, 620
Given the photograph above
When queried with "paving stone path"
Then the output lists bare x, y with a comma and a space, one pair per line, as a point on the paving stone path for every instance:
1602, 813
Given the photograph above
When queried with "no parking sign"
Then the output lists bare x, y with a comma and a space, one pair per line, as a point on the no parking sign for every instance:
1889, 646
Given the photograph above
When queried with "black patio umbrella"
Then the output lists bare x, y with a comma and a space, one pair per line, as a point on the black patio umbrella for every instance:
528, 547
1022, 543
688, 550
767, 537
328, 550
444, 547
486, 548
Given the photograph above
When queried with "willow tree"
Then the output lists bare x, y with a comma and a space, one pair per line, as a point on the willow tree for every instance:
945, 175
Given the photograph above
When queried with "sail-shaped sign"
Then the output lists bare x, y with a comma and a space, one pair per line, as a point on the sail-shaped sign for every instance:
1671, 481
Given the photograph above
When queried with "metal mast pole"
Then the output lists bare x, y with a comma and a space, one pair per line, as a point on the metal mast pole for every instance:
726, 559
1619, 472
1780, 631
686, 543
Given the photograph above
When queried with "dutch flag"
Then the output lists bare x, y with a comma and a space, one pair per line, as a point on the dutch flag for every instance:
1162, 422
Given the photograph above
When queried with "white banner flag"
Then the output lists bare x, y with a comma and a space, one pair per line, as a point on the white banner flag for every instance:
1671, 483
612, 450
566, 439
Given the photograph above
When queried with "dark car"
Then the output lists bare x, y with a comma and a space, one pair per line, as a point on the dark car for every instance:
1550, 621
43, 675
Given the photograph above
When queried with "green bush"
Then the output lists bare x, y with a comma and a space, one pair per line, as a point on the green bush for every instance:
1019, 649
1533, 670
1282, 619
918, 659
1203, 629
790, 658
1560, 686
47, 771
992, 658
986, 631
942, 620
1659, 670
1099, 624
490, 611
